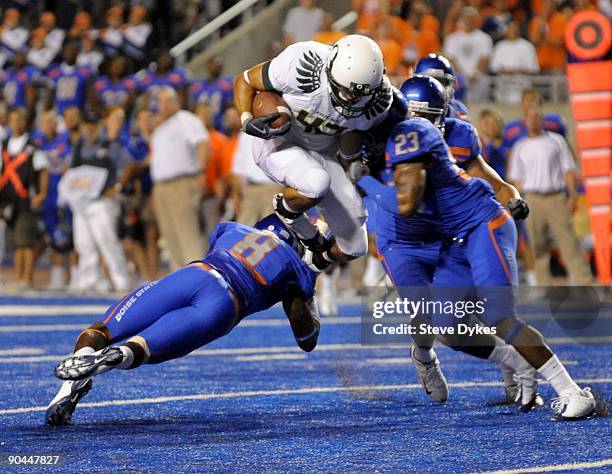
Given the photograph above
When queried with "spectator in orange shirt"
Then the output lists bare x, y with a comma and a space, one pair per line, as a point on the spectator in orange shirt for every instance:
391, 49
546, 34
429, 21
421, 42
369, 13
327, 34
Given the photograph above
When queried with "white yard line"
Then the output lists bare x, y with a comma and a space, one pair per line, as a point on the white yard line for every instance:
555, 467
267, 393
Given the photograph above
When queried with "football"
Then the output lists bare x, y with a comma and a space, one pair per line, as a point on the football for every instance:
266, 103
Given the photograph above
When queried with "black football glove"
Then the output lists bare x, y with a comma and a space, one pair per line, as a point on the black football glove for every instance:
518, 209
260, 126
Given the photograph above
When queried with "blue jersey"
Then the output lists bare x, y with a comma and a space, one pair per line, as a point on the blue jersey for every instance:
138, 147
496, 156
260, 268
152, 83
517, 129
70, 84
462, 140
458, 201
218, 94
114, 94
458, 110
15, 84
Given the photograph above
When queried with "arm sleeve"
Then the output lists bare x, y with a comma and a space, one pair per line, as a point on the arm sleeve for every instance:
281, 72
532, 60
385, 196
40, 160
515, 168
496, 59
565, 155
486, 47
196, 130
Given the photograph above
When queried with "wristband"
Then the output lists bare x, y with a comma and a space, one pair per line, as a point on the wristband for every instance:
245, 116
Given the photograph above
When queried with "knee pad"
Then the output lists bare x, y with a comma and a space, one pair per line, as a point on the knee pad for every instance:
315, 183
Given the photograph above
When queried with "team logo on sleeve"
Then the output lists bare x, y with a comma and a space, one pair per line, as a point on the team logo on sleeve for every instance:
309, 74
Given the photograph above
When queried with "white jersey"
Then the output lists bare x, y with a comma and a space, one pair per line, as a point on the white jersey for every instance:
299, 73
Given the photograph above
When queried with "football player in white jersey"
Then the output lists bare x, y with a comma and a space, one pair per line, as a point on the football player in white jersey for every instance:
333, 92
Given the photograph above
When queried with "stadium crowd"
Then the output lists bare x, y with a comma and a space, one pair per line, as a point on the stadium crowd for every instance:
84, 100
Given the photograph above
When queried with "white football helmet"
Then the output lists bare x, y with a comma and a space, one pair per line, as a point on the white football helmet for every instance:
355, 71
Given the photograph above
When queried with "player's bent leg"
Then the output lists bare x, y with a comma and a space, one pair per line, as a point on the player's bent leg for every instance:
411, 268
491, 248
345, 213
302, 172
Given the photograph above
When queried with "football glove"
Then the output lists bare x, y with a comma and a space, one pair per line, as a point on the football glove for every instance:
518, 208
260, 126
356, 170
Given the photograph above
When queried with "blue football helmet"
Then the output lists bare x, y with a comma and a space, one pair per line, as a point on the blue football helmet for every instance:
436, 66
440, 68
426, 98
273, 224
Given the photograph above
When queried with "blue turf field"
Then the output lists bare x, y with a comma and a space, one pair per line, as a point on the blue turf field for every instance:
253, 402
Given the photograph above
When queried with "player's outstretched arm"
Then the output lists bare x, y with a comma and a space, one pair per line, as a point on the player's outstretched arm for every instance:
409, 181
304, 319
505, 193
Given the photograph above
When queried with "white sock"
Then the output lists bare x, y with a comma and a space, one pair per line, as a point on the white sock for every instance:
128, 358
84, 351
530, 278
424, 355
373, 273
507, 356
554, 372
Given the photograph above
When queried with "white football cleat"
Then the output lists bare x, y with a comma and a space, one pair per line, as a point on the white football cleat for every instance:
431, 378
574, 406
327, 296
78, 367
511, 386
527, 390
59, 412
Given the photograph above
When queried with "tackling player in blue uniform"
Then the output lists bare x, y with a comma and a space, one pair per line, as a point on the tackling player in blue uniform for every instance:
411, 250
440, 68
467, 213
246, 270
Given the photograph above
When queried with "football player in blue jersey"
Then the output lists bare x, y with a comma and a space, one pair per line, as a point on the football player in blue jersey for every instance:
411, 251
468, 216
440, 68
246, 270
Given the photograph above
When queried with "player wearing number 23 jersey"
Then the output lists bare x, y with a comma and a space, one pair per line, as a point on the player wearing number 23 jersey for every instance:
459, 201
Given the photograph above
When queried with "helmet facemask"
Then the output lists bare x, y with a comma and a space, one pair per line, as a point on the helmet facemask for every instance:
434, 114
